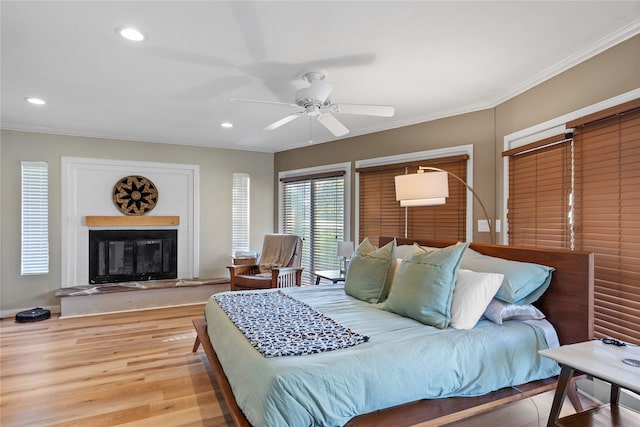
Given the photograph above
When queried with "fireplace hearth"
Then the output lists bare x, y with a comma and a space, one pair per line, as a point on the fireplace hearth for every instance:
132, 255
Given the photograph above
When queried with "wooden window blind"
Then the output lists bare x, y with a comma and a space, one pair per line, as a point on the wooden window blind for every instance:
607, 154
540, 186
381, 215
313, 208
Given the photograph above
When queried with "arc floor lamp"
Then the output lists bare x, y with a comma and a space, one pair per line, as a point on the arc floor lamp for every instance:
430, 189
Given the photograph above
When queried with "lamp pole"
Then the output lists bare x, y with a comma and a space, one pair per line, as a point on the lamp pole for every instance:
421, 169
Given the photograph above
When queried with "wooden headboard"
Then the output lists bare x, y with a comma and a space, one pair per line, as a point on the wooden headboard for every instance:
568, 303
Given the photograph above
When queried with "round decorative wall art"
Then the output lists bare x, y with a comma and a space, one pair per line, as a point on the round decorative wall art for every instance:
135, 195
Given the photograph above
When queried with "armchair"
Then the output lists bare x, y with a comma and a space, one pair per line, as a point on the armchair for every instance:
279, 265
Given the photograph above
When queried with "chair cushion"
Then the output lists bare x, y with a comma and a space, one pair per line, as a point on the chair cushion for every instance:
258, 281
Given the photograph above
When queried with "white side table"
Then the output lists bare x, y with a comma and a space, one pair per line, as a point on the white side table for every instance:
603, 361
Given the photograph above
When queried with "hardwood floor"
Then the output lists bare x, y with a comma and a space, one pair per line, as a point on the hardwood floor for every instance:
127, 369
134, 369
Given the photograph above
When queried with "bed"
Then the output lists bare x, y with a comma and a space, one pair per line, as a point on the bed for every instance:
311, 389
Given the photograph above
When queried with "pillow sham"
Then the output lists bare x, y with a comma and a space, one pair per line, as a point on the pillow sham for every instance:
370, 272
471, 296
423, 286
523, 282
498, 311
407, 251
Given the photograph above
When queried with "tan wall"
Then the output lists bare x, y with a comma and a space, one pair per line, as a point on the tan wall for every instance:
216, 167
473, 128
604, 76
609, 74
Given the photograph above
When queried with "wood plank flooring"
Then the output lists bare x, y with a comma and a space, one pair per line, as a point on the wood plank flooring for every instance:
135, 369
126, 369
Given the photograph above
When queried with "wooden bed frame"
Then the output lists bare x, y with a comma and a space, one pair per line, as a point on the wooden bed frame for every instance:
568, 305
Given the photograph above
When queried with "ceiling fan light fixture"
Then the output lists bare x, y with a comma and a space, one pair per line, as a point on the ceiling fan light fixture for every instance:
313, 101
130, 33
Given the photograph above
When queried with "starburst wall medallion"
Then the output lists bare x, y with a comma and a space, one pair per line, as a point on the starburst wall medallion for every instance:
135, 195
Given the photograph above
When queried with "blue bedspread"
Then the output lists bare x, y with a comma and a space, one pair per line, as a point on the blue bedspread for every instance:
403, 361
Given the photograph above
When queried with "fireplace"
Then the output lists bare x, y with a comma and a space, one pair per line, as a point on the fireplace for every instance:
132, 255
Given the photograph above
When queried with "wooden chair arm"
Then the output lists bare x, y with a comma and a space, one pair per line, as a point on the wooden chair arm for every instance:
236, 270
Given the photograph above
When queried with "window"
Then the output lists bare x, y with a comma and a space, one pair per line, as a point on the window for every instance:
35, 218
607, 219
381, 215
313, 208
240, 212
585, 196
540, 194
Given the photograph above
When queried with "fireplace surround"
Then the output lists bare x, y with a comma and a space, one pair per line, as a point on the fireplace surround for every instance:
132, 255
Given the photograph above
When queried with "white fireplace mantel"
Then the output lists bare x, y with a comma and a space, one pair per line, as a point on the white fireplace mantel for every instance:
87, 186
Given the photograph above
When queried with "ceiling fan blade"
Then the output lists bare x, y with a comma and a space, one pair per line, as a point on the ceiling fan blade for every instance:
320, 90
334, 125
260, 101
366, 110
283, 121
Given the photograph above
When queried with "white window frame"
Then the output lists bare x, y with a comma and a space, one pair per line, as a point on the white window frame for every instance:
34, 235
346, 167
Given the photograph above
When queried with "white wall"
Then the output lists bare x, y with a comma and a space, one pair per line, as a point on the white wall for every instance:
216, 168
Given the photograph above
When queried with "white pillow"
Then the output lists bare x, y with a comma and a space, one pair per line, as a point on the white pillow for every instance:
498, 311
472, 294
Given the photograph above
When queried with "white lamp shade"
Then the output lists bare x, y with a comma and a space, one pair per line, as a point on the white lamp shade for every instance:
423, 202
345, 249
422, 189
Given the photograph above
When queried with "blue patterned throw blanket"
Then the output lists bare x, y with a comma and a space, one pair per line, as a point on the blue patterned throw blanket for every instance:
279, 325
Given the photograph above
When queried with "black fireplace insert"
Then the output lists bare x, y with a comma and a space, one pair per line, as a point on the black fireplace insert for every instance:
132, 255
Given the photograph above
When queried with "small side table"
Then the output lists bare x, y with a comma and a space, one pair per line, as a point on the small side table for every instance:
334, 275
601, 361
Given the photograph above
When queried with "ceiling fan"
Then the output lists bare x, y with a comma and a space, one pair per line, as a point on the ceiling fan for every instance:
313, 101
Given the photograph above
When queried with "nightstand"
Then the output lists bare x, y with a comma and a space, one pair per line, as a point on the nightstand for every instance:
602, 361
334, 275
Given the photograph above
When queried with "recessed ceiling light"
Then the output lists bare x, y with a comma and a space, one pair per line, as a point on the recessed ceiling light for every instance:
130, 33
226, 125
35, 101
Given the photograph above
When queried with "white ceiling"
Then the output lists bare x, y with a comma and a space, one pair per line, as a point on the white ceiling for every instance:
428, 59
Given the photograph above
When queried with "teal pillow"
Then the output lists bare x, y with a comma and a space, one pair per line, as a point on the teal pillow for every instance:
407, 251
523, 282
423, 286
370, 272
